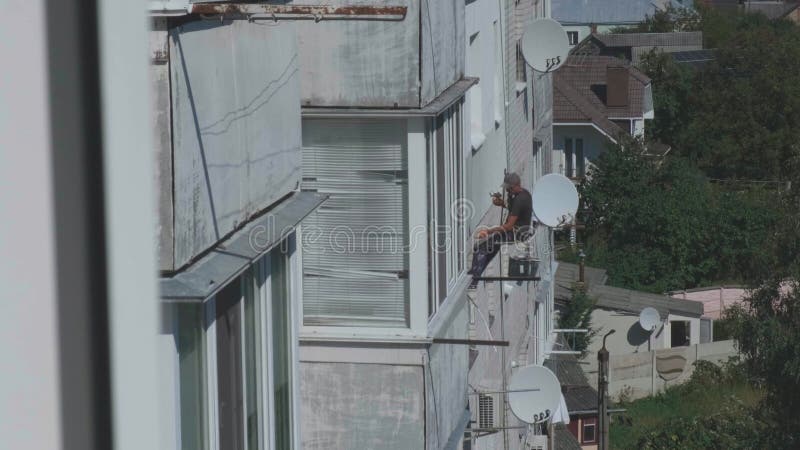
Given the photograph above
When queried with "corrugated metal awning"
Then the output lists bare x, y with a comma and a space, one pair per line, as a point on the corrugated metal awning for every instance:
203, 278
445, 100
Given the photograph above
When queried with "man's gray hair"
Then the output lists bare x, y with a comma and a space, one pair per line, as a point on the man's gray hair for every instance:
511, 179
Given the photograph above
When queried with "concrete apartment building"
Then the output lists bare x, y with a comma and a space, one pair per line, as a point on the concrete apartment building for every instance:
522, 140
381, 128
226, 111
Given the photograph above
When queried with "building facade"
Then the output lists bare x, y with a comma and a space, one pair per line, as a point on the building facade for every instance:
597, 100
226, 110
381, 128
522, 142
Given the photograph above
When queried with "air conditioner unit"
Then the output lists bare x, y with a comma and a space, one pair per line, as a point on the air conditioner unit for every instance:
487, 411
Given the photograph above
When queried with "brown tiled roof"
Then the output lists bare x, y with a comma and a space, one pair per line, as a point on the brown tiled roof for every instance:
570, 106
578, 85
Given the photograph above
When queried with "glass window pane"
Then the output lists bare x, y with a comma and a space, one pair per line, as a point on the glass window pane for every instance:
281, 351
229, 367
191, 354
252, 362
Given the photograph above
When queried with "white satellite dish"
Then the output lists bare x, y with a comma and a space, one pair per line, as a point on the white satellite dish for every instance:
555, 200
649, 318
534, 394
545, 45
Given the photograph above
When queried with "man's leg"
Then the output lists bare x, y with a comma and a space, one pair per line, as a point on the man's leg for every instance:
485, 251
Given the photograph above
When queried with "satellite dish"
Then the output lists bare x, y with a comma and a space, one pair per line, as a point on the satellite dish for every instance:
545, 45
534, 394
649, 318
555, 200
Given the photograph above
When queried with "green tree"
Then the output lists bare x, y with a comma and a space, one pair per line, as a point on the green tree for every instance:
767, 332
666, 20
578, 315
658, 224
737, 117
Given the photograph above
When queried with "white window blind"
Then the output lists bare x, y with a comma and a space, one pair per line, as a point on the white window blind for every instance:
355, 262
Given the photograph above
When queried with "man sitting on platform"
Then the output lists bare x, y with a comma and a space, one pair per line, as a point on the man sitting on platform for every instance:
517, 226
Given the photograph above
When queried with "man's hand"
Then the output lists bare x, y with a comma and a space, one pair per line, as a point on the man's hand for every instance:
497, 201
482, 233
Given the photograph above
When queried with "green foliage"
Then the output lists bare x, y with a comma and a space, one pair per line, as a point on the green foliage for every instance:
736, 118
767, 332
660, 225
713, 410
666, 21
578, 315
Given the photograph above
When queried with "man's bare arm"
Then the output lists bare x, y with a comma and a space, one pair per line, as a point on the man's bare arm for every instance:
508, 226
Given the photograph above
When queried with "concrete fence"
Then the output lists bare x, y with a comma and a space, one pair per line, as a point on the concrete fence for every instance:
642, 374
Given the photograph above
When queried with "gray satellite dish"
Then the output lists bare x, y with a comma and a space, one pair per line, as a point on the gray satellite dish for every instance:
649, 318
555, 200
545, 45
534, 394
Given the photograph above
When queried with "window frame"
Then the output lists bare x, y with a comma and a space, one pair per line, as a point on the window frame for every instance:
570, 34
585, 423
256, 282
569, 150
447, 172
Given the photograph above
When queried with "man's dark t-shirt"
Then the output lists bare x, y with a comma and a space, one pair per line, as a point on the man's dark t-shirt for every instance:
521, 205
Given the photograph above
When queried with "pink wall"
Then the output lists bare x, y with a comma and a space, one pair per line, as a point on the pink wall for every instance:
714, 299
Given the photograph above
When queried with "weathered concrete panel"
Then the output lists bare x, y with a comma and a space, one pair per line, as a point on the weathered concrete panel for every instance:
361, 62
443, 50
236, 126
446, 382
361, 406
162, 128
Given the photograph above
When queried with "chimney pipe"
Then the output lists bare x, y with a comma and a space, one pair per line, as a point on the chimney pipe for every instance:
616, 86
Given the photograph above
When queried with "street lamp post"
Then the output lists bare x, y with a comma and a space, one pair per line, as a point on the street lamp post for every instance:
602, 393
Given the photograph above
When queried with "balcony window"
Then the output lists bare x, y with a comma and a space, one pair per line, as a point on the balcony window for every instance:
236, 362
355, 264
447, 208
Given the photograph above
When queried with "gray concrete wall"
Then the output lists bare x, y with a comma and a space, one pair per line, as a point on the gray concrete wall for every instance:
518, 314
348, 406
630, 337
389, 64
443, 50
162, 126
236, 126
446, 384
634, 375
361, 62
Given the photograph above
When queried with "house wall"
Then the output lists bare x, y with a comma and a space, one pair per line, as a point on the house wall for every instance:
715, 300
585, 30
235, 127
368, 63
594, 144
630, 337
484, 59
520, 315
362, 406
638, 127
376, 63
443, 51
